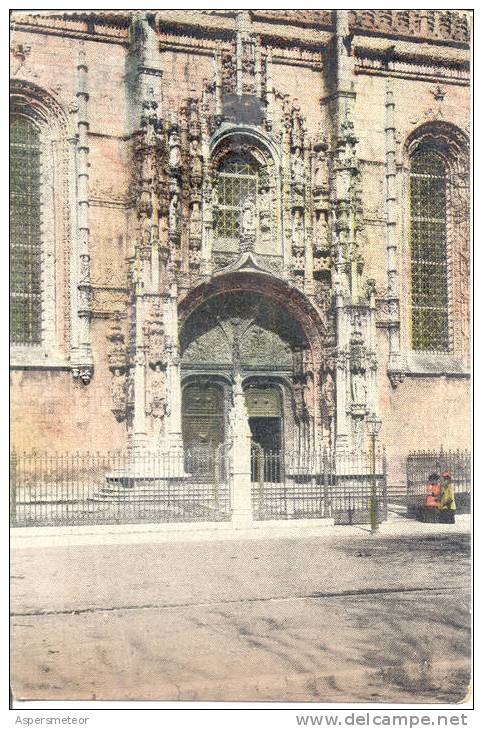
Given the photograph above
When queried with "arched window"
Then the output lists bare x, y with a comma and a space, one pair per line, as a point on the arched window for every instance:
439, 239
429, 250
25, 232
42, 169
236, 181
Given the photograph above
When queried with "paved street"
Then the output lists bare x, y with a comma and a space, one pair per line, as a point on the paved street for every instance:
346, 618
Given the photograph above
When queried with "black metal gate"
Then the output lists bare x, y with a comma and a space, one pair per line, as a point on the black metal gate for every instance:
315, 485
290, 486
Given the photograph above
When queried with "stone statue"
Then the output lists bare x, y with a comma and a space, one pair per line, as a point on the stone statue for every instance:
174, 153
358, 386
173, 212
264, 208
118, 393
320, 170
298, 230
308, 395
196, 161
195, 220
157, 405
328, 393
154, 337
298, 167
238, 384
248, 217
320, 231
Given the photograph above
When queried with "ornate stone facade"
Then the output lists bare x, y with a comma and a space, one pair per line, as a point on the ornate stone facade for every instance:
154, 108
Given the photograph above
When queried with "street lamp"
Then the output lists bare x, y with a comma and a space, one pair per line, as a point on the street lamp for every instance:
373, 427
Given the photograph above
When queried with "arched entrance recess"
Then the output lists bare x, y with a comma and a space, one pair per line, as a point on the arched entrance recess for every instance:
261, 327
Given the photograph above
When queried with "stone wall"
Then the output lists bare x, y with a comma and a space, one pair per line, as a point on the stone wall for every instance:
429, 82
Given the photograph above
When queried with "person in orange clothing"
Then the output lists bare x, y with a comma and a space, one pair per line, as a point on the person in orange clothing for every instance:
431, 507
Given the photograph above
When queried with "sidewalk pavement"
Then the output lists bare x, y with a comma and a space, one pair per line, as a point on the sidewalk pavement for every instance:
397, 525
328, 613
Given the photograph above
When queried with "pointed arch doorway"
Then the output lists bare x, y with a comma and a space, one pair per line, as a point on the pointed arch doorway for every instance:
245, 332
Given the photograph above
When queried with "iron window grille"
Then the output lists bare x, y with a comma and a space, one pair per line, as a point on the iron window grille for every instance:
237, 181
25, 237
429, 258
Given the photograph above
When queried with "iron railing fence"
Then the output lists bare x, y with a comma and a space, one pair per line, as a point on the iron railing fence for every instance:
420, 464
359, 477
85, 488
50, 489
318, 484
289, 486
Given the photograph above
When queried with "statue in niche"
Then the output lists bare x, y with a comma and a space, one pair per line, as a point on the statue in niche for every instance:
157, 405
238, 384
328, 393
130, 390
174, 151
298, 172
196, 161
357, 322
298, 230
320, 170
195, 220
264, 207
248, 217
320, 231
308, 395
145, 230
154, 337
358, 388
173, 212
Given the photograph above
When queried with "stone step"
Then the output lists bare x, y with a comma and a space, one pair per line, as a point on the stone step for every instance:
162, 493
171, 507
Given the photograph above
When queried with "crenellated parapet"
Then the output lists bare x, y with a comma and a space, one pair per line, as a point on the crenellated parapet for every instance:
442, 25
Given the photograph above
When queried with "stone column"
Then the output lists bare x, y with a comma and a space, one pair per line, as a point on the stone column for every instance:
342, 375
269, 93
345, 225
241, 495
308, 217
206, 263
217, 82
371, 347
83, 364
139, 434
391, 232
173, 432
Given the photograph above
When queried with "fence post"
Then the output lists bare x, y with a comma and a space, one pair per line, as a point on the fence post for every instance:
384, 482
327, 475
258, 471
13, 487
216, 473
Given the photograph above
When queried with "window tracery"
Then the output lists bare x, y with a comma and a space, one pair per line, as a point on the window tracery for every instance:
25, 232
438, 168
236, 183
429, 264
41, 233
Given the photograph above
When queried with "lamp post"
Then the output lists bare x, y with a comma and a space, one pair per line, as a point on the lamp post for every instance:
373, 428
